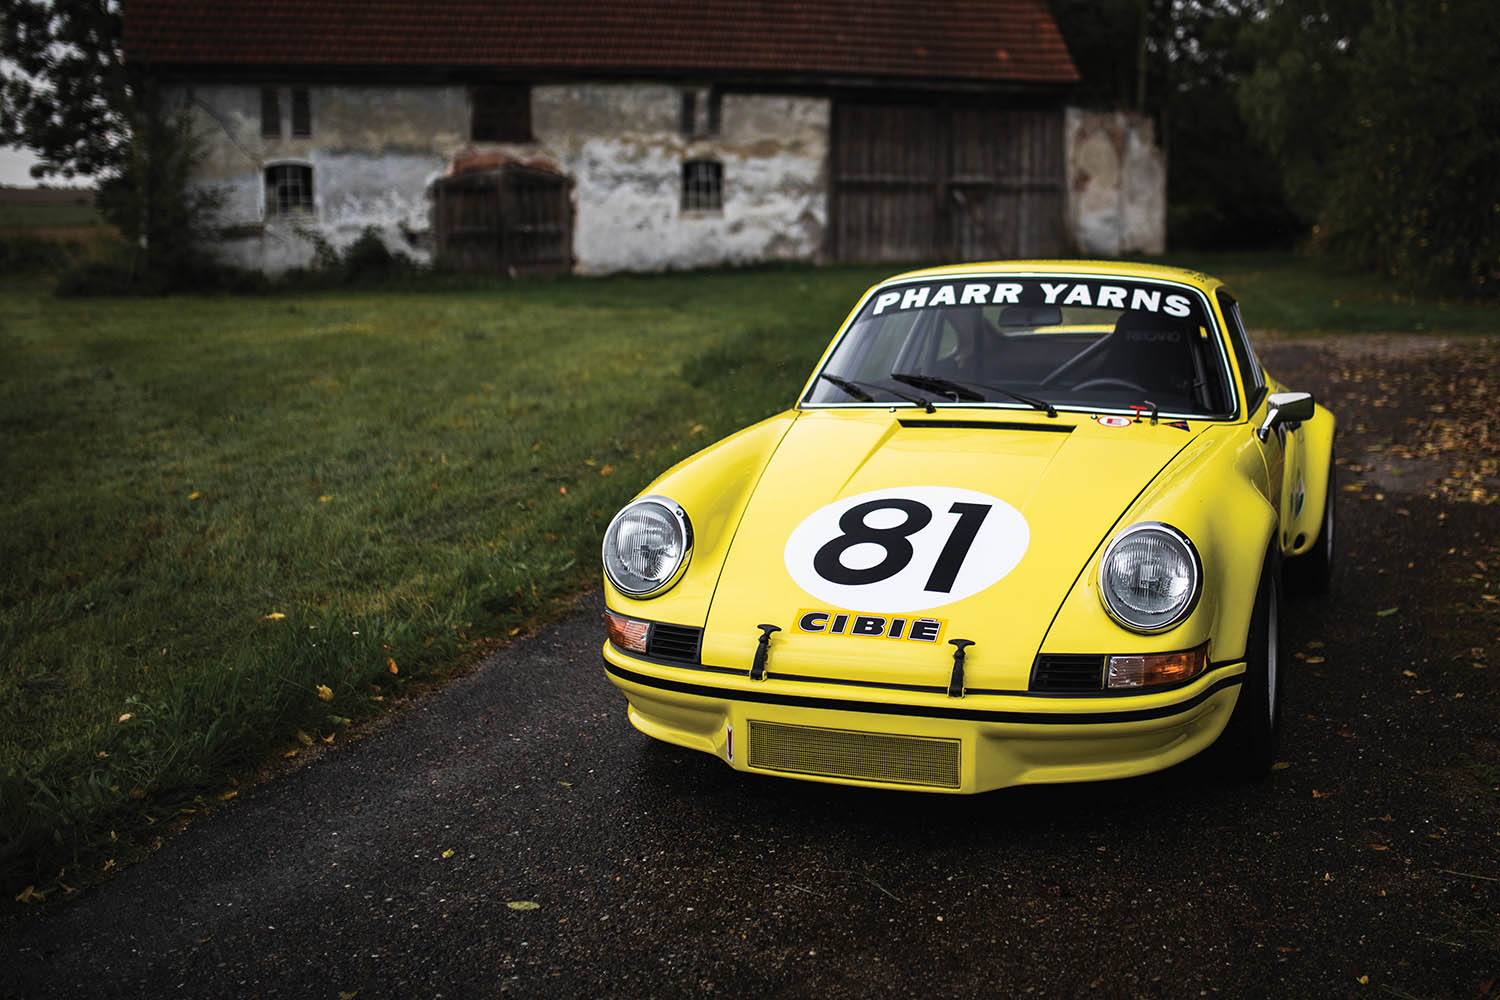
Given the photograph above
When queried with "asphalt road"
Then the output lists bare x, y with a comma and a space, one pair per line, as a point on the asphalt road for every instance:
1367, 866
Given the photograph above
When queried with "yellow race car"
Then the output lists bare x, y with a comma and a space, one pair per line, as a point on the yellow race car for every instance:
1028, 522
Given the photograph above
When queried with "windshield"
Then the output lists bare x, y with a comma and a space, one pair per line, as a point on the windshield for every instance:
1056, 340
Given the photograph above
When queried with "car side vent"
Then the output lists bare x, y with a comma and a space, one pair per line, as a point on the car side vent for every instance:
674, 642
1067, 672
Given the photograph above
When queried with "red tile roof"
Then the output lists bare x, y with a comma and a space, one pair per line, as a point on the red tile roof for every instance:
977, 41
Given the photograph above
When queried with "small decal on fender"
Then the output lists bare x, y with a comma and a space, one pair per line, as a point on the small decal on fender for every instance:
1112, 420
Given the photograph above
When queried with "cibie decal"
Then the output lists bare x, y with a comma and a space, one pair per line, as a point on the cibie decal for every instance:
906, 549
1112, 420
818, 621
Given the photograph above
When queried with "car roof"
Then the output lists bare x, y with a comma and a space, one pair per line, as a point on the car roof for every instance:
1102, 268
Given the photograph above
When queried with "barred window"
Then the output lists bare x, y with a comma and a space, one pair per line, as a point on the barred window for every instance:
289, 190
702, 186
301, 112
270, 112
501, 113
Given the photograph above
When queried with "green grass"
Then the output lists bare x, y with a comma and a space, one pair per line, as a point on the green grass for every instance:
71, 213
399, 475
404, 477
1288, 293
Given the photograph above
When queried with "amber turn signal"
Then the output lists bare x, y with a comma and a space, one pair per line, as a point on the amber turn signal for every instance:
626, 633
1155, 668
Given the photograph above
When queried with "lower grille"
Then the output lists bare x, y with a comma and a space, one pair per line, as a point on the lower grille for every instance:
841, 753
674, 642
1066, 672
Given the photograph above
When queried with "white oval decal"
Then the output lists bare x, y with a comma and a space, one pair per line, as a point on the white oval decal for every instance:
907, 548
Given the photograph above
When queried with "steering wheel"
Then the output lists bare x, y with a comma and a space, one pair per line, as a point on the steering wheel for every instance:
1099, 383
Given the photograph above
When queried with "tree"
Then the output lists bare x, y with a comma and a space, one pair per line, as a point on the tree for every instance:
74, 99
1177, 61
76, 102
1386, 115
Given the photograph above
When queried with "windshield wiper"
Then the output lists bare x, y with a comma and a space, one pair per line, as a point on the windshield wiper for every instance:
857, 389
936, 383
968, 389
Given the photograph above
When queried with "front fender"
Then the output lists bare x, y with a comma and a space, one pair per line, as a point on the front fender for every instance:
1216, 494
713, 487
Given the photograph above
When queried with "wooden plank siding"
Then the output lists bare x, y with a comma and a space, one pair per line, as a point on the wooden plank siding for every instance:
920, 183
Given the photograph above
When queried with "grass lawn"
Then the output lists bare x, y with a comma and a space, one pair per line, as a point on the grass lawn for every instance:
231, 525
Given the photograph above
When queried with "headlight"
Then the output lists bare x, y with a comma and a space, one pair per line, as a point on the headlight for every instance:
1150, 577
647, 546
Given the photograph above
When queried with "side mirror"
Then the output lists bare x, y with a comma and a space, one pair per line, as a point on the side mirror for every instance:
1285, 408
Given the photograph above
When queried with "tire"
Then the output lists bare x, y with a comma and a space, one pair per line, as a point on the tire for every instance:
1253, 735
1312, 572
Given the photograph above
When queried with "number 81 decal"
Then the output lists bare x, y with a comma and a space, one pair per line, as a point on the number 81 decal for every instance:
907, 548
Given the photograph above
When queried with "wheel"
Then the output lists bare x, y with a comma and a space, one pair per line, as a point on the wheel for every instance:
1099, 383
1249, 742
1312, 572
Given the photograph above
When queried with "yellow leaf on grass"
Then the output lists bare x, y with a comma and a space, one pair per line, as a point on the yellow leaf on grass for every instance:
194, 495
390, 664
126, 717
606, 470
523, 904
325, 692
325, 498
275, 616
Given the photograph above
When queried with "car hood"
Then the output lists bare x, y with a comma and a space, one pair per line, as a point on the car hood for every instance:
1015, 507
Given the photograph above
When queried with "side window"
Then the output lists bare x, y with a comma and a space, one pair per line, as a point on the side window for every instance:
1244, 354
270, 112
702, 186
501, 114
289, 190
301, 112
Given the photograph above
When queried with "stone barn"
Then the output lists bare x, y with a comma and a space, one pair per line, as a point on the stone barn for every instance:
556, 135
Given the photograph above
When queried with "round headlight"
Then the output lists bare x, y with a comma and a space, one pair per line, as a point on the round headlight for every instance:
1150, 577
647, 546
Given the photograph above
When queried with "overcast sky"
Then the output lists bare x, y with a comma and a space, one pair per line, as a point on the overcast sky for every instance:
15, 165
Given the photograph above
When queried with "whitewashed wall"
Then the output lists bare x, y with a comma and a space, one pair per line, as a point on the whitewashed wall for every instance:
375, 151
1117, 184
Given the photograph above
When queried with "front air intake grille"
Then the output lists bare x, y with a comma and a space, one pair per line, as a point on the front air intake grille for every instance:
842, 753
1058, 672
674, 642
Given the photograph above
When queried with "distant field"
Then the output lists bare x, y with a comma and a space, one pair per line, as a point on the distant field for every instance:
47, 209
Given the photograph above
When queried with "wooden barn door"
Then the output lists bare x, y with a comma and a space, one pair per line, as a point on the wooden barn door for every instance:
510, 220
912, 183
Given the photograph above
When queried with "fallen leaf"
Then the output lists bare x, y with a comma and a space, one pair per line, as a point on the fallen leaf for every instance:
325, 498
390, 664
448, 854
1316, 659
563, 490
275, 616
523, 904
1380, 847
325, 692
127, 717
1280, 765
1363, 980
194, 495
228, 795
1386, 612
1320, 795
1408, 673
606, 470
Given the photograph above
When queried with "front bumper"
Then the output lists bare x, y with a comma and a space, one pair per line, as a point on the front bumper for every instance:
879, 738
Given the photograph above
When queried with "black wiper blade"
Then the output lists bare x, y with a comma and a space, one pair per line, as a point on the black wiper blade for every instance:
852, 388
1031, 401
856, 388
936, 383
